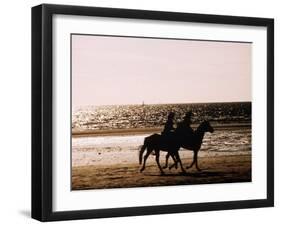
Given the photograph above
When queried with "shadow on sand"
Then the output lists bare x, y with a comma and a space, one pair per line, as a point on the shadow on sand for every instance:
192, 174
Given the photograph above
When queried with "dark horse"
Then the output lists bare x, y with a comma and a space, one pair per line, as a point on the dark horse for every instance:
172, 144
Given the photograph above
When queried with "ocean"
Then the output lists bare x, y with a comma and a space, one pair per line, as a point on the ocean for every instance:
150, 116
122, 149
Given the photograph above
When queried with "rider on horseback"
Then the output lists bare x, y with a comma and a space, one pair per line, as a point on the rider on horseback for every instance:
183, 128
169, 125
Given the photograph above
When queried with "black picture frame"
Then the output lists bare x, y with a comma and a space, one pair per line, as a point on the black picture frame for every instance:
42, 106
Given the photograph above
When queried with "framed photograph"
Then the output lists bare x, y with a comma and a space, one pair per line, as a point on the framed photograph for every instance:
145, 112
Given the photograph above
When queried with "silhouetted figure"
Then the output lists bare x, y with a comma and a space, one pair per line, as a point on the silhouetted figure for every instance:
172, 144
169, 125
183, 128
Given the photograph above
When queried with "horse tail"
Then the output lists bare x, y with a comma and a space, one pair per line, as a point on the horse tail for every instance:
142, 149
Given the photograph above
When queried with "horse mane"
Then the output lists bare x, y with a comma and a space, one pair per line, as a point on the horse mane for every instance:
201, 126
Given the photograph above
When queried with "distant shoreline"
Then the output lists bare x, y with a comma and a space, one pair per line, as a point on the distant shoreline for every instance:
138, 131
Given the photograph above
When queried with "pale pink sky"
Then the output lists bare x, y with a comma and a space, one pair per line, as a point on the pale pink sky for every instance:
124, 70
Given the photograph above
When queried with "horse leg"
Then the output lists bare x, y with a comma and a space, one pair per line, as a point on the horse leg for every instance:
175, 164
196, 160
193, 161
149, 150
167, 160
157, 154
179, 160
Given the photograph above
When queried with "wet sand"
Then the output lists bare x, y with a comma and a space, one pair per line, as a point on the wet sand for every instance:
215, 169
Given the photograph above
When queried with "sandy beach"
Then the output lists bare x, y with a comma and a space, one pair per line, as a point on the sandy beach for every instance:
222, 169
111, 161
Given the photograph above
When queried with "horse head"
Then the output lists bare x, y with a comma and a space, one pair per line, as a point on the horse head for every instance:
206, 127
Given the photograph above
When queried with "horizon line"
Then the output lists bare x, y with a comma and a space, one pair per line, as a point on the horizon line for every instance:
217, 102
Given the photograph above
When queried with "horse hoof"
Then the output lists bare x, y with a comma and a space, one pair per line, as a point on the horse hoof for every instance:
162, 173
